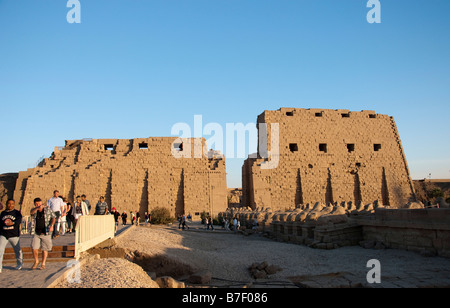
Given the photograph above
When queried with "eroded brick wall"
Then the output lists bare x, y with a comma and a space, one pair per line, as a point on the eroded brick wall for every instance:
133, 175
329, 156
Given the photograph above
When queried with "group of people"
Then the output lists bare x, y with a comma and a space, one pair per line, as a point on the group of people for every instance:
67, 215
135, 218
182, 221
47, 222
236, 224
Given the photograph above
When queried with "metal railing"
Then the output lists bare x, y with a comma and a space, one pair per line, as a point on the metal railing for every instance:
91, 231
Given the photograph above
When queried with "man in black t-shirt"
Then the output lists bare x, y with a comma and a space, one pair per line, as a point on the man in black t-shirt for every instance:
10, 221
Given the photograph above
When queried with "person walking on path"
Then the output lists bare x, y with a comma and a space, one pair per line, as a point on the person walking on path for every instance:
116, 215
88, 204
79, 209
180, 221
42, 225
69, 217
184, 222
227, 225
132, 217
102, 207
10, 221
210, 224
61, 224
124, 218
235, 224
56, 204
138, 218
145, 218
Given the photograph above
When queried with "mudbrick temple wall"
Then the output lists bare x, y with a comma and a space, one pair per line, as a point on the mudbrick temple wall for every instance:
329, 156
132, 174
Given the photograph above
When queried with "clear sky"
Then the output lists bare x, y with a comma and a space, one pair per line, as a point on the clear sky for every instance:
134, 68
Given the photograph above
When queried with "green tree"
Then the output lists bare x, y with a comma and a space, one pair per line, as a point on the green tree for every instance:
161, 216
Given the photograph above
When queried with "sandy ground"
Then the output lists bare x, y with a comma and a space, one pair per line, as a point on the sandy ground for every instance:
227, 256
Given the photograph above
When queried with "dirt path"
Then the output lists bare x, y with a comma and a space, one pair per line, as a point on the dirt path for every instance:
227, 256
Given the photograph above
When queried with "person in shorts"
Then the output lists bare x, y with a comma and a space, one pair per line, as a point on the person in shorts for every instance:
56, 204
42, 224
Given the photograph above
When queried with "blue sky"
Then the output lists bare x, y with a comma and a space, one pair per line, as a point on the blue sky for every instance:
134, 68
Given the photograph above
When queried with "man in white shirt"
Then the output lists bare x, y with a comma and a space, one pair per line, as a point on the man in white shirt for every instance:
56, 204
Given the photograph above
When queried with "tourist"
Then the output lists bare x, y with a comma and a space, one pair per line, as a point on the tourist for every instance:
69, 217
180, 221
10, 220
102, 207
61, 224
56, 204
138, 218
132, 217
184, 222
226, 224
210, 224
88, 204
145, 218
42, 225
79, 209
124, 218
235, 224
255, 224
116, 215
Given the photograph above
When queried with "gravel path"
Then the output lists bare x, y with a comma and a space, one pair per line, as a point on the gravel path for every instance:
112, 273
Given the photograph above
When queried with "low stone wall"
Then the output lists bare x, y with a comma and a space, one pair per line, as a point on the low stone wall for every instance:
426, 231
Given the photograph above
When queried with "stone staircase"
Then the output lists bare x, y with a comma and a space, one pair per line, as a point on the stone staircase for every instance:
58, 254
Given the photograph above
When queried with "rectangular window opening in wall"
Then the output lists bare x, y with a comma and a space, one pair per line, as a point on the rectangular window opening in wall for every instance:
323, 147
318, 114
372, 116
351, 147
345, 115
293, 147
143, 146
109, 147
376, 147
290, 113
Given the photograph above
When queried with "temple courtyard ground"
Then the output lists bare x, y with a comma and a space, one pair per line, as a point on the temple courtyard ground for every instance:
167, 250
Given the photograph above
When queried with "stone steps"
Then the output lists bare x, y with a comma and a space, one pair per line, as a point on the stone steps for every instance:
58, 254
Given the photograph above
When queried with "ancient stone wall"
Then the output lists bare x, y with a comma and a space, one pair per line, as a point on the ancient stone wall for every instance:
423, 230
135, 174
7, 185
329, 156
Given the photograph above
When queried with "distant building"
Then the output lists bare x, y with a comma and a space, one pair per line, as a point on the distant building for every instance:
329, 156
133, 174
